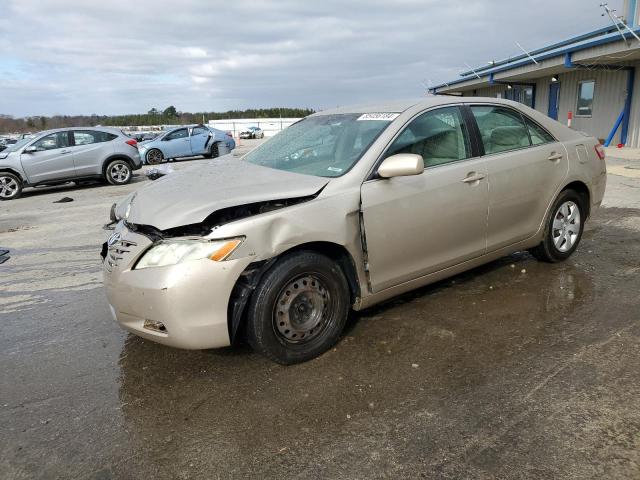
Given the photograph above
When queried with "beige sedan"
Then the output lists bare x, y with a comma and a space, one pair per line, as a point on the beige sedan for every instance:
340, 211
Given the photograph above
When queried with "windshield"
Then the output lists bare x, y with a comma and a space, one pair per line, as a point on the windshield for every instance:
18, 145
323, 145
161, 134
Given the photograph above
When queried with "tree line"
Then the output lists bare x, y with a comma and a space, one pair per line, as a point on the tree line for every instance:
168, 116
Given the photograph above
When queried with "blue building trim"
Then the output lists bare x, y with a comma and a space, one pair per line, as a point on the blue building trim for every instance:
569, 41
631, 14
627, 105
568, 63
564, 50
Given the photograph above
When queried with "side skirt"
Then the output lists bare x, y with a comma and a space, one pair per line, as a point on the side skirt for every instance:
391, 292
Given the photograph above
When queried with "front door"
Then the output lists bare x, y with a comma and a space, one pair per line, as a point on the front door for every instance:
52, 160
200, 140
420, 224
177, 144
554, 100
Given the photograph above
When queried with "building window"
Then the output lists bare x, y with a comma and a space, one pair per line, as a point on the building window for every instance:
520, 93
585, 98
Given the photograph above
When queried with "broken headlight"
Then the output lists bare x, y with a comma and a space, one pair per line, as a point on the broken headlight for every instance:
172, 252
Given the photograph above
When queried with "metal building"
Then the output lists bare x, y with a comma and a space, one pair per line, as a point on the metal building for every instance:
590, 78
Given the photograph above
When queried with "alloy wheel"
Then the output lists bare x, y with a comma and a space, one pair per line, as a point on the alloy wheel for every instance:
120, 173
154, 157
566, 226
8, 187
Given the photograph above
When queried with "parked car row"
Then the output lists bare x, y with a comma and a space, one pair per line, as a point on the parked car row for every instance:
77, 154
340, 211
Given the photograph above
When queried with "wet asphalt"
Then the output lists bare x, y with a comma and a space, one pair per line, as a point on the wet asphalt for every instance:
517, 369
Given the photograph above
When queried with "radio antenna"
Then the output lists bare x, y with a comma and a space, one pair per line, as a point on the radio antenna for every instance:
474, 72
527, 54
617, 22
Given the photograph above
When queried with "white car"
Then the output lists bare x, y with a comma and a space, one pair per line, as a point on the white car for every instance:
252, 132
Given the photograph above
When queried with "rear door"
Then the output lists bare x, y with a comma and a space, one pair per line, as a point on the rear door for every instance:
526, 167
90, 148
52, 160
177, 144
199, 140
420, 224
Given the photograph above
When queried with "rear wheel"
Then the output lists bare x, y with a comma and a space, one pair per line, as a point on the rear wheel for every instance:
299, 309
118, 172
214, 151
154, 156
564, 228
10, 186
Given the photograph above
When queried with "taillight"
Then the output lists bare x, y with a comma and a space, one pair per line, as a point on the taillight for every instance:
600, 151
228, 134
132, 142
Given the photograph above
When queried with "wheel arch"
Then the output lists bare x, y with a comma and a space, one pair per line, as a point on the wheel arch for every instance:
15, 172
583, 190
251, 276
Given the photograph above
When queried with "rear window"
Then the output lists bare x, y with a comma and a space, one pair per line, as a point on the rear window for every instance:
87, 137
538, 134
502, 129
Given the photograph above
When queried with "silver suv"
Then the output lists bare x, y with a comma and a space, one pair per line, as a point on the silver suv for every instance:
68, 154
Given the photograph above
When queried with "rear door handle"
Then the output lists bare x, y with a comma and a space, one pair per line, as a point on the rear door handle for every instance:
65, 151
555, 156
473, 177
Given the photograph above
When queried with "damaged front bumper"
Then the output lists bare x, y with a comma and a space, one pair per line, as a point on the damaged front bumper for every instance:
183, 305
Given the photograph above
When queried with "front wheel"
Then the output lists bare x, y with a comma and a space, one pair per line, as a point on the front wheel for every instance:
118, 172
154, 156
10, 186
564, 228
299, 309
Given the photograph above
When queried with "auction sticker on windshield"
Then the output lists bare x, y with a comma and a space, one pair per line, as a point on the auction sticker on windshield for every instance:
385, 117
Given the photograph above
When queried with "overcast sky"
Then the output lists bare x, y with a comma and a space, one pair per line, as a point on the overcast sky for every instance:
118, 56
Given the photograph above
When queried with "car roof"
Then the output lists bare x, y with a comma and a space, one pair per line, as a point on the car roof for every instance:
399, 106
65, 129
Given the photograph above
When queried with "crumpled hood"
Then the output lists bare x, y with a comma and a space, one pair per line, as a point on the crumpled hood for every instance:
191, 195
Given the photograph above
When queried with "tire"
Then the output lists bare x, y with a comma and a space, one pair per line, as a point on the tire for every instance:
154, 157
299, 309
214, 152
10, 186
563, 229
118, 172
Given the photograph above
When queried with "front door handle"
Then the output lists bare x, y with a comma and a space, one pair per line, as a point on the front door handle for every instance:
473, 177
65, 151
554, 157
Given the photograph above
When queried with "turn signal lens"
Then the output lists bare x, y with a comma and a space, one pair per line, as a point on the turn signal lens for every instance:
226, 250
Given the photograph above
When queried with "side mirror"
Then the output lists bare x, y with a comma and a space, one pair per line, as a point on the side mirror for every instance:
401, 165
30, 149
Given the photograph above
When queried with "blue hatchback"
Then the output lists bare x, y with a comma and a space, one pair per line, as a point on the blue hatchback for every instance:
187, 141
